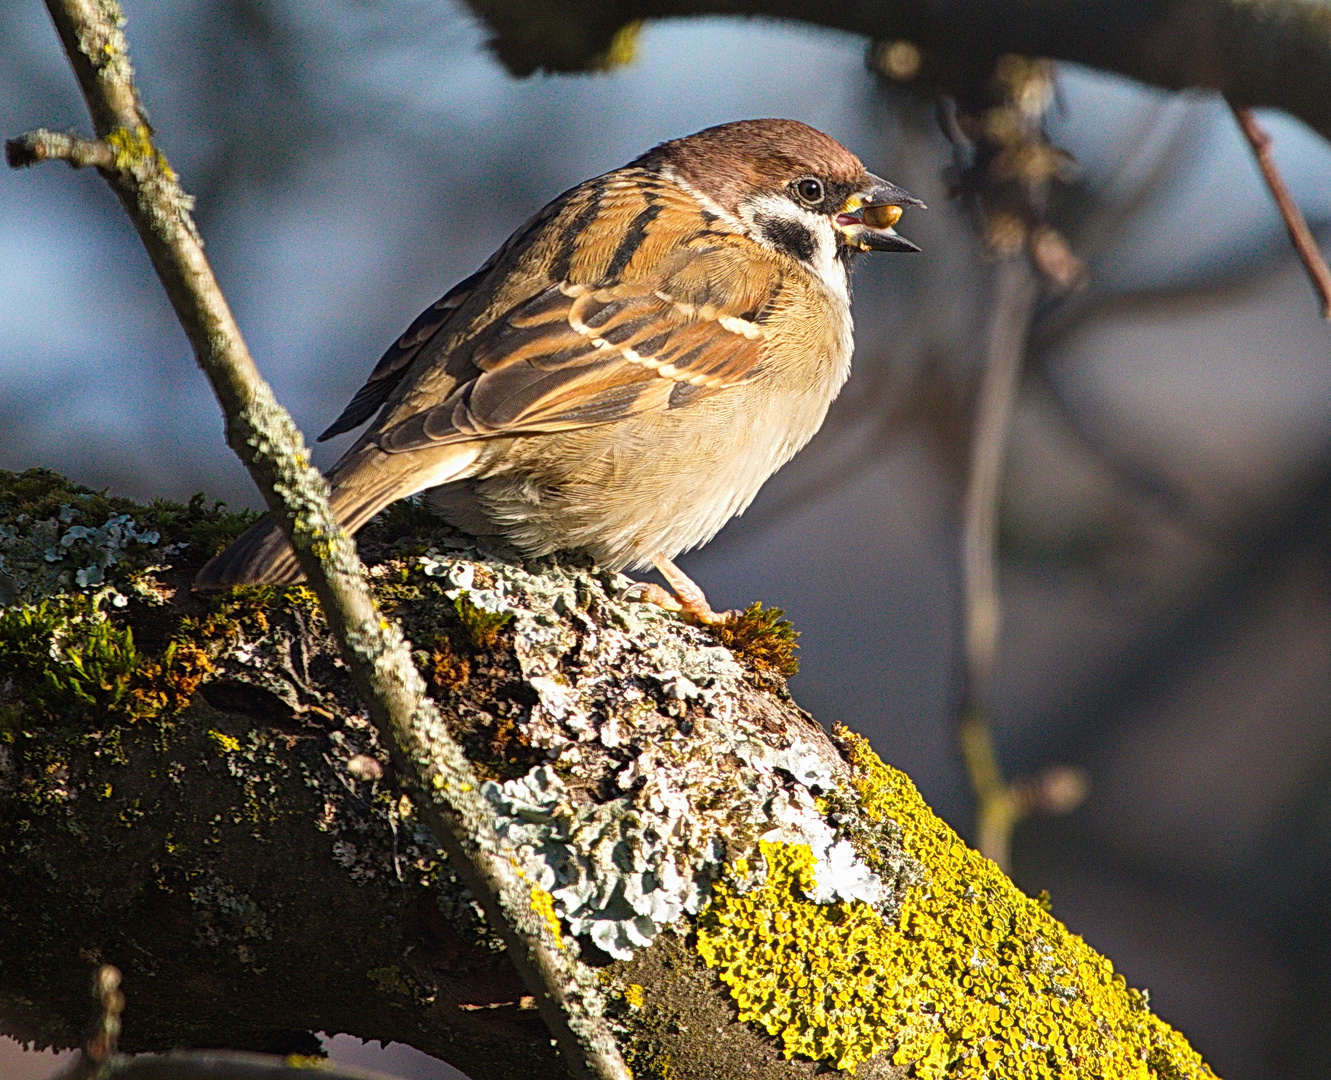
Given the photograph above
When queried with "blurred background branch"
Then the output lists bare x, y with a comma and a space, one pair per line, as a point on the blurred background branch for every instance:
1276, 53
1299, 233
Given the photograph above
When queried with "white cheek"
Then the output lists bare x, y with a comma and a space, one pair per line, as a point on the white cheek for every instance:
823, 261
827, 266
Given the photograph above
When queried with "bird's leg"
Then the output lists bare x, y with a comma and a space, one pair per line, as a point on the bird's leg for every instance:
689, 599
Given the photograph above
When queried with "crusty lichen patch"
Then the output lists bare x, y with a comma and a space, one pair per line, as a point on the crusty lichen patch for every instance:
973, 980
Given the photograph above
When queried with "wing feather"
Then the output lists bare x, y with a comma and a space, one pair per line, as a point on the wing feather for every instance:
396, 362
651, 299
571, 357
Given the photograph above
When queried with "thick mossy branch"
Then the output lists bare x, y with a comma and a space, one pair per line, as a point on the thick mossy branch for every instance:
189, 789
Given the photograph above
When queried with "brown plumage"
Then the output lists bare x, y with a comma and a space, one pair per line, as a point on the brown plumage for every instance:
628, 369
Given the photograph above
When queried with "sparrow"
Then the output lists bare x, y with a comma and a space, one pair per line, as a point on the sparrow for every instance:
628, 369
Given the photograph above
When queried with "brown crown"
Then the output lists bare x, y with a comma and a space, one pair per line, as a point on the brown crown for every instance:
730, 161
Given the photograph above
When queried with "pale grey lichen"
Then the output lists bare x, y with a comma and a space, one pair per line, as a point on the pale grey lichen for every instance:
39, 558
625, 691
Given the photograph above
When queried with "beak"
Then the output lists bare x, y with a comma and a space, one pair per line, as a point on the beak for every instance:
865, 222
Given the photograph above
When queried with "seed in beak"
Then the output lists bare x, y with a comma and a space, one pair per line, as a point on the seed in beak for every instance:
881, 217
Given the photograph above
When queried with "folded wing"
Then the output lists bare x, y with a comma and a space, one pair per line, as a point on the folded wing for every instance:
573, 356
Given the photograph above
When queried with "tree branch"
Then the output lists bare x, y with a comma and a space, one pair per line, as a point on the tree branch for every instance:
196, 788
1275, 54
1014, 296
42, 145
1299, 233
263, 435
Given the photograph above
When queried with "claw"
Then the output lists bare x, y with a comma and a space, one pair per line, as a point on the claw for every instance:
648, 592
688, 599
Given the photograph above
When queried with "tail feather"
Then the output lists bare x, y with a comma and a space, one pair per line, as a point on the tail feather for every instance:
261, 554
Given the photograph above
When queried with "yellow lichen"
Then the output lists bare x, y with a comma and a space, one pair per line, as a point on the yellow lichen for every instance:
544, 905
134, 148
634, 995
226, 744
304, 1061
975, 981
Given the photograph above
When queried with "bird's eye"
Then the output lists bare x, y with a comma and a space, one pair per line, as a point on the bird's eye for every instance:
809, 190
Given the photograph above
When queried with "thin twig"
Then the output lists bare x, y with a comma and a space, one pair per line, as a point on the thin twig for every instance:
101, 1048
266, 439
99, 1059
1000, 804
34, 147
1014, 296
1299, 233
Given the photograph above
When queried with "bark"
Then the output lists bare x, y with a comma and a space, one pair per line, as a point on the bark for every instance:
191, 790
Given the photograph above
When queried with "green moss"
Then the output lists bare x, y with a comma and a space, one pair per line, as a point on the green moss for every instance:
232, 615
974, 980
763, 637
65, 659
66, 551
40, 494
405, 527
483, 626
205, 527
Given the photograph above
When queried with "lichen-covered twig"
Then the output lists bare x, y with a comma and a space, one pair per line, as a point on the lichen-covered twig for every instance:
1299, 233
266, 439
41, 145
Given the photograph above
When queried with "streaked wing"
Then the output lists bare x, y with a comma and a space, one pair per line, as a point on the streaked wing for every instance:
573, 356
394, 364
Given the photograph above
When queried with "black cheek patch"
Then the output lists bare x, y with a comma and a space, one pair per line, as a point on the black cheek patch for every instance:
789, 236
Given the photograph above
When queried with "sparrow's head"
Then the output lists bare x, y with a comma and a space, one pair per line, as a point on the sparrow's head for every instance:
790, 187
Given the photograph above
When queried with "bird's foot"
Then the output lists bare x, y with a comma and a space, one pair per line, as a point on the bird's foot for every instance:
647, 592
687, 599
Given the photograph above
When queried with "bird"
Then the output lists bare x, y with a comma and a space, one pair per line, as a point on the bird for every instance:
627, 370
